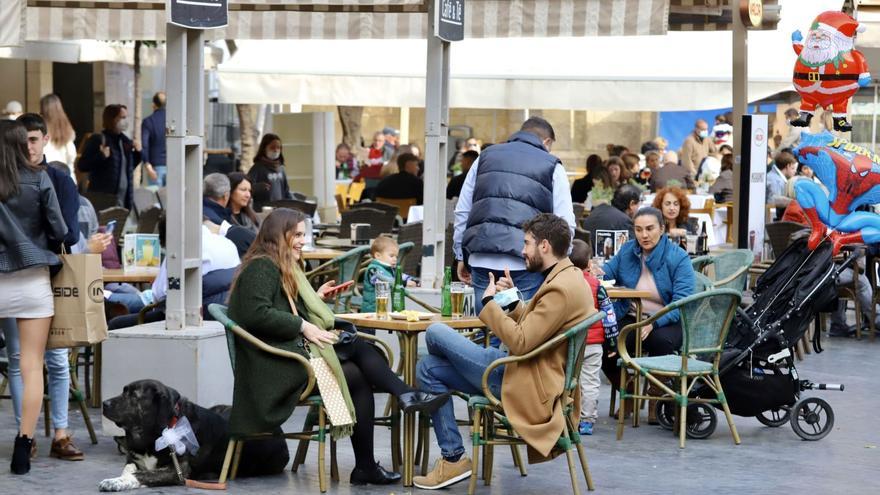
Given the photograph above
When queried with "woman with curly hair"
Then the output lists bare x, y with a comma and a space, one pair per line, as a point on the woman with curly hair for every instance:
676, 207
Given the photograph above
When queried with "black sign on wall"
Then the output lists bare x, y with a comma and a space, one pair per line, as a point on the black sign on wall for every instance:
198, 14
449, 20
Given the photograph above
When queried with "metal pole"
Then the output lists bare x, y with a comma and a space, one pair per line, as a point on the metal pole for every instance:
740, 108
874, 120
436, 136
184, 134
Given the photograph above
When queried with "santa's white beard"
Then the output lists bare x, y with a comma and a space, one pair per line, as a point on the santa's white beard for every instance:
822, 56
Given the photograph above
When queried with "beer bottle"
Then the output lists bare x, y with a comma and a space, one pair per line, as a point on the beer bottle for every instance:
445, 295
702, 242
398, 292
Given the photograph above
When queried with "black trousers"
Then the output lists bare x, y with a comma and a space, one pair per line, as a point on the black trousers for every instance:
661, 341
367, 371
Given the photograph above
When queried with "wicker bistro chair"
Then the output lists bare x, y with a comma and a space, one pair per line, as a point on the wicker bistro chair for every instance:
117, 213
411, 232
309, 397
381, 221
731, 268
705, 320
402, 205
342, 268
779, 234
487, 409
306, 207
148, 221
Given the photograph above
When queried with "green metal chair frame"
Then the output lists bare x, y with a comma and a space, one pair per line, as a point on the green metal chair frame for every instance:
342, 268
731, 268
705, 320
487, 409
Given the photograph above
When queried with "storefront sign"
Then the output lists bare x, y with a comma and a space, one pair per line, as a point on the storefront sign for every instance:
752, 12
198, 14
449, 20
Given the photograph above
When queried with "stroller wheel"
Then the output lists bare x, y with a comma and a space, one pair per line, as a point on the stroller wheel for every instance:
812, 418
701, 421
666, 414
774, 418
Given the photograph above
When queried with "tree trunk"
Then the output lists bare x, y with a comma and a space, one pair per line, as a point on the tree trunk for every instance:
351, 126
247, 123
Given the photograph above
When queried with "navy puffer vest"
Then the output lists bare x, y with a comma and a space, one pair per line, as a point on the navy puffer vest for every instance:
514, 183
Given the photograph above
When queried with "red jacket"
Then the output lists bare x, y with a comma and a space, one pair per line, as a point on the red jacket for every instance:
596, 334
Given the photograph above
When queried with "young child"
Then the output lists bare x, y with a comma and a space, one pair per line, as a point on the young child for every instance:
603, 331
384, 251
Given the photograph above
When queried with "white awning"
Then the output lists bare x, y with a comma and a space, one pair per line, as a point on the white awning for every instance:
12, 22
72, 52
52, 20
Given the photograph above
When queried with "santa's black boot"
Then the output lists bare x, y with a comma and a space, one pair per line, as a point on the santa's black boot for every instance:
841, 124
803, 119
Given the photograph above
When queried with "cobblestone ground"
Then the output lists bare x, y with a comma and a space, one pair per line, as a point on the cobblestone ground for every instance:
647, 460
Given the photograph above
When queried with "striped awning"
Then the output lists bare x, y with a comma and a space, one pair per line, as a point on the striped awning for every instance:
53, 20
12, 22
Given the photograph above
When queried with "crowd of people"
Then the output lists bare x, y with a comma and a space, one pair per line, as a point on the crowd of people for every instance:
514, 224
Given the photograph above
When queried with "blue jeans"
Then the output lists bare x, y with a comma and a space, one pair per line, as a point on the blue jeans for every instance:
526, 281
161, 172
132, 302
58, 368
455, 363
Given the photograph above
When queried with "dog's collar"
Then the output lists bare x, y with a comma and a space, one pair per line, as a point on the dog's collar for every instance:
173, 421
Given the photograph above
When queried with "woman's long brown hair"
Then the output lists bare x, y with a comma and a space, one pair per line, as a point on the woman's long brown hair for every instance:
271, 243
60, 130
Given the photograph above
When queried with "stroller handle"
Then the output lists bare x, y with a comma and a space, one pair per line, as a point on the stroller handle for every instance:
807, 385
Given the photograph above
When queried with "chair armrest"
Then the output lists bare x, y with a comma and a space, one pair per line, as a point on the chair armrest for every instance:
421, 303
389, 354
701, 262
598, 316
259, 344
733, 276
142, 314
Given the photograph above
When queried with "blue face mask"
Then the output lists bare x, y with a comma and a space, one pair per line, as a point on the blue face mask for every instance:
704, 134
507, 299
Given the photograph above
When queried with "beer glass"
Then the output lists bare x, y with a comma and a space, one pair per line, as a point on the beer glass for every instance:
456, 293
383, 291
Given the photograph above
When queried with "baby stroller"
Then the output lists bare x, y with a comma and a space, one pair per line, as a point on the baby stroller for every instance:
757, 372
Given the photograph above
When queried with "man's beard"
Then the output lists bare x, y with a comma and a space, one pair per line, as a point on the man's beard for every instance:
534, 265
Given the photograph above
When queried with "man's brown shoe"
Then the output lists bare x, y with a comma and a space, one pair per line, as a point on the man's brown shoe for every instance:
445, 473
66, 450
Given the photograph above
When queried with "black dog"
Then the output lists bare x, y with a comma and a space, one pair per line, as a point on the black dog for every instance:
147, 407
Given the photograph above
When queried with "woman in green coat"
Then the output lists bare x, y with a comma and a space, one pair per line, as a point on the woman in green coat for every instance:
267, 387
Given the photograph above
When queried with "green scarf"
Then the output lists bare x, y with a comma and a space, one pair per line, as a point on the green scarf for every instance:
321, 316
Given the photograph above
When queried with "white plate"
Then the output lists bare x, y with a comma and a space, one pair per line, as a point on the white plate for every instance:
422, 315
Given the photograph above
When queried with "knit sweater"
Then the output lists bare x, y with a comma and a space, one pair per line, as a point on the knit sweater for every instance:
267, 388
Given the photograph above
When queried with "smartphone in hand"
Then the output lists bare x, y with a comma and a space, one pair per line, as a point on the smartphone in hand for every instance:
340, 287
111, 227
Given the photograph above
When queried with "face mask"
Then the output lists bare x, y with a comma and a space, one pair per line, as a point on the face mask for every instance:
507, 299
704, 134
273, 155
122, 125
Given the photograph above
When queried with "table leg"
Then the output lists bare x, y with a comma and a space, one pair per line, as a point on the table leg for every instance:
409, 355
96, 381
637, 380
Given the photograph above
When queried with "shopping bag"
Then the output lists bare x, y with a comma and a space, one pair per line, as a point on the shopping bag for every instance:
78, 290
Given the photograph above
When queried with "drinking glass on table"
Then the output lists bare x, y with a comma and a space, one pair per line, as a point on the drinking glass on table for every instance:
456, 293
383, 291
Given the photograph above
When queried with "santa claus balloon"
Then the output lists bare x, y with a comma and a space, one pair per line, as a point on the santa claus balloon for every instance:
828, 70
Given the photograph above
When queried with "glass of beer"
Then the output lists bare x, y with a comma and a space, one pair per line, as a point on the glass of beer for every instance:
383, 291
456, 292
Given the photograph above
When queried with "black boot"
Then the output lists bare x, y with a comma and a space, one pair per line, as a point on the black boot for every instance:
419, 401
841, 124
803, 120
21, 455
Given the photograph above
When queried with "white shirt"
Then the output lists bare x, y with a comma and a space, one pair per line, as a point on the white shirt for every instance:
65, 154
561, 207
218, 253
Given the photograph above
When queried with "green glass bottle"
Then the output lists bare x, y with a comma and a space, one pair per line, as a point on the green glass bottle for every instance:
445, 295
398, 292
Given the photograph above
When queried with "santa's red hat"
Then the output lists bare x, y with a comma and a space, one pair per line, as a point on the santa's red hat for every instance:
839, 22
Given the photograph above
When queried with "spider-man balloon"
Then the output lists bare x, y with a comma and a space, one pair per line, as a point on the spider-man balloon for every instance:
851, 174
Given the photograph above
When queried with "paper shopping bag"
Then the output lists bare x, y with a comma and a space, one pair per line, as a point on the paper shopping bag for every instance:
78, 290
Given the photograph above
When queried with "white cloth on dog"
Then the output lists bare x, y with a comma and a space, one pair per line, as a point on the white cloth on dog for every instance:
180, 437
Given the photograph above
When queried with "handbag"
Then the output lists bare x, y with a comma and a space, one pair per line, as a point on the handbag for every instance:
78, 292
346, 334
